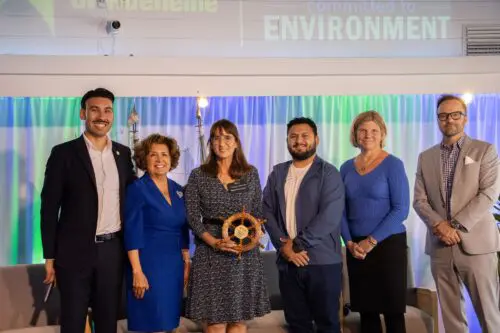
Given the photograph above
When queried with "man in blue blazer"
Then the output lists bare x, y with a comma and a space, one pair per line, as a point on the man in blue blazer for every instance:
303, 205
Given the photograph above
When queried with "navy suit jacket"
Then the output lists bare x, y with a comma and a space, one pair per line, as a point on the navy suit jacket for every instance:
318, 209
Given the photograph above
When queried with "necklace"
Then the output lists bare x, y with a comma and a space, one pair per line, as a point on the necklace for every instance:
363, 168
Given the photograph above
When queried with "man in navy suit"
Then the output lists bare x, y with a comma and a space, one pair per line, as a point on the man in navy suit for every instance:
81, 218
303, 205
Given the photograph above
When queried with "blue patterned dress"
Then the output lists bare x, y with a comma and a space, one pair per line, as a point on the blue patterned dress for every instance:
223, 289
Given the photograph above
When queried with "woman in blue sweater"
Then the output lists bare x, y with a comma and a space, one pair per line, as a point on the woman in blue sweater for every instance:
377, 204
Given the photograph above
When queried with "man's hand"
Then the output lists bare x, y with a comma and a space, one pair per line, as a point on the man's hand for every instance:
356, 250
50, 273
299, 259
446, 233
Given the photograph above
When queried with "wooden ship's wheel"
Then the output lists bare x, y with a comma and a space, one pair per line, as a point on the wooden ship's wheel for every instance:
243, 229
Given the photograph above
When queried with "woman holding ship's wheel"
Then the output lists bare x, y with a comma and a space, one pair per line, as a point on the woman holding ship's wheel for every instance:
223, 201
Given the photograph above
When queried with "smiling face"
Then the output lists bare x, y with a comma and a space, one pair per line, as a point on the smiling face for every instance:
98, 115
158, 160
301, 142
223, 144
369, 136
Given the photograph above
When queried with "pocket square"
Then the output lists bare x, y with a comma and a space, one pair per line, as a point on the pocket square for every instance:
469, 160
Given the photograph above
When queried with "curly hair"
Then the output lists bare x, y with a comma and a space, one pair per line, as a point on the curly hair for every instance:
142, 149
363, 118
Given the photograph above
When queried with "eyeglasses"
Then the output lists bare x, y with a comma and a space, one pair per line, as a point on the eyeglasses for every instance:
223, 138
443, 116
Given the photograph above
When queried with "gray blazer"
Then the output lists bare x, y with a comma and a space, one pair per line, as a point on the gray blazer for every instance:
476, 186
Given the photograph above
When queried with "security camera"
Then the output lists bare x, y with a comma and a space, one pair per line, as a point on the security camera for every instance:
113, 27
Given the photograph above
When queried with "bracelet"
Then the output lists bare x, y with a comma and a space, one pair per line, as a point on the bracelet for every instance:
371, 240
217, 244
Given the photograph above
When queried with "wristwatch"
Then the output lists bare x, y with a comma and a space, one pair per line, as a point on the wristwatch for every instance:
455, 225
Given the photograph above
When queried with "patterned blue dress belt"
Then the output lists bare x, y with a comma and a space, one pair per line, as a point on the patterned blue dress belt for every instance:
106, 237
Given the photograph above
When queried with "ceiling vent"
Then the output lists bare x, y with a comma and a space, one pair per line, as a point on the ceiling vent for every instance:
481, 40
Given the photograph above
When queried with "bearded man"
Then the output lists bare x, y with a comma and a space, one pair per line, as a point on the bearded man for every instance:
456, 185
303, 205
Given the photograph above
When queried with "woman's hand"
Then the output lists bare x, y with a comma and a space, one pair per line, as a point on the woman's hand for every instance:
225, 246
140, 284
367, 245
356, 250
187, 270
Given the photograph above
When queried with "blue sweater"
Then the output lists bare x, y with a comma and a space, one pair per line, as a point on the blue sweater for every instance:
378, 202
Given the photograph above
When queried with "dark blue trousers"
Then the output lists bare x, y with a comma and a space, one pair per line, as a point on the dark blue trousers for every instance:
311, 294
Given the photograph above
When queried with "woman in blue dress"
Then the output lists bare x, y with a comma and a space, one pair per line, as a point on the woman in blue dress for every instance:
156, 239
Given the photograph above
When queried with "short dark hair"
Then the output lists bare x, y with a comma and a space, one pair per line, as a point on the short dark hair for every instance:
445, 98
98, 92
142, 149
302, 120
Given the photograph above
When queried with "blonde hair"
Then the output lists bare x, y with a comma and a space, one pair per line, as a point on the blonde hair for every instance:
363, 117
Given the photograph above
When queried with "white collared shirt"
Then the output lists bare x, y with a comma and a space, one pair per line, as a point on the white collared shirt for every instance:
108, 187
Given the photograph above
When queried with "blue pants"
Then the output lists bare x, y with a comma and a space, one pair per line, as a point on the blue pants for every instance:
311, 294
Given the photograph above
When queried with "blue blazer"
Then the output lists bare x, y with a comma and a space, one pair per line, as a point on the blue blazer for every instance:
318, 209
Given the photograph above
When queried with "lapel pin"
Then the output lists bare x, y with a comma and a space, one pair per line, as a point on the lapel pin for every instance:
117, 153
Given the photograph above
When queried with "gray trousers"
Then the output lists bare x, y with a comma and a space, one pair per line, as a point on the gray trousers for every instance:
452, 267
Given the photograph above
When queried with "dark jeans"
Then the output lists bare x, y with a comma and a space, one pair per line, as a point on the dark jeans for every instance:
311, 294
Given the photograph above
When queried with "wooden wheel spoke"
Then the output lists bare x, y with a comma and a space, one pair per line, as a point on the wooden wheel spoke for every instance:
243, 230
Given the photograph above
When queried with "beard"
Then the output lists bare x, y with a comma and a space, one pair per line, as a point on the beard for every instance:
451, 130
303, 155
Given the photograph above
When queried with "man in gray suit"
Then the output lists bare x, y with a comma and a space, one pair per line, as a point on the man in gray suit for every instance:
456, 185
